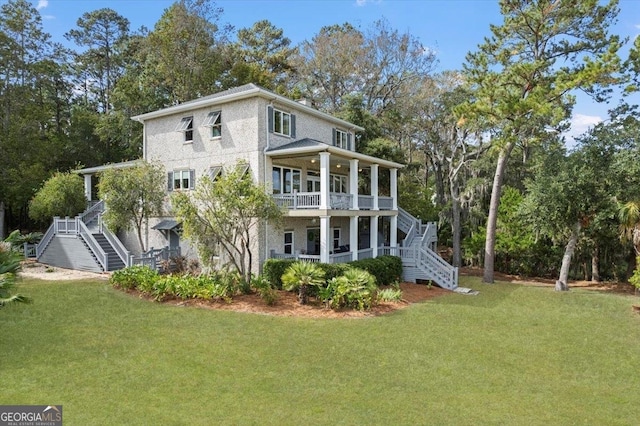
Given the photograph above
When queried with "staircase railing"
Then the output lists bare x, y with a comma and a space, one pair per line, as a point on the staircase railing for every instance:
115, 242
444, 274
46, 239
93, 245
92, 212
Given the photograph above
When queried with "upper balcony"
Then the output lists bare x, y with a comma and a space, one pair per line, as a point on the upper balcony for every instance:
337, 201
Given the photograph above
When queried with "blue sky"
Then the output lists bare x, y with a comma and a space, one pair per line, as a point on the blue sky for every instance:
449, 27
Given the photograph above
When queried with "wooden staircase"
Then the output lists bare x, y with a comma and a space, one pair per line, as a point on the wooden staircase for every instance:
420, 261
82, 243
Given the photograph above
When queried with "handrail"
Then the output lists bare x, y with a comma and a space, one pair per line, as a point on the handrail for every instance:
444, 274
411, 234
46, 239
93, 245
117, 245
93, 211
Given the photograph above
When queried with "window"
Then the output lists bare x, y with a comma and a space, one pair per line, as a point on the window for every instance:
341, 139
214, 173
285, 180
181, 179
336, 238
186, 126
214, 120
242, 168
338, 183
282, 123
288, 242
313, 181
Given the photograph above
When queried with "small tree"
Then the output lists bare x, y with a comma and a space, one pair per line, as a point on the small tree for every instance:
61, 195
222, 214
132, 195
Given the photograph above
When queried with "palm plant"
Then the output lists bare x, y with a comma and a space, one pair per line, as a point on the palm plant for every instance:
9, 267
301, 276
629, 216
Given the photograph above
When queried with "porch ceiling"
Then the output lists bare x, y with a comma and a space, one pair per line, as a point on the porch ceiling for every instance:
310, 148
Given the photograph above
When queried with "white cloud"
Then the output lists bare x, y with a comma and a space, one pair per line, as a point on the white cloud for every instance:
580, 123
365, 2
42, 4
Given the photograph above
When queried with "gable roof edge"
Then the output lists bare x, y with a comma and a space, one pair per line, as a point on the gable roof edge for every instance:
252, 90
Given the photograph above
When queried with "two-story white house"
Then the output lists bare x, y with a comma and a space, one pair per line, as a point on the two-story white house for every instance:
339, 205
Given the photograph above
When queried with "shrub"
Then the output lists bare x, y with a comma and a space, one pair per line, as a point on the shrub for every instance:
265, 290
333, 270
61, 195
301, 276
273, 270
9, 267
137, 276
355, 289
635, 278
386, 269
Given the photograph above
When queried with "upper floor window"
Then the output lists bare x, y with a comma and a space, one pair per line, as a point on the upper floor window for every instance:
181, 179
341, 139
281, 122
214, 120
186, 126
338, 183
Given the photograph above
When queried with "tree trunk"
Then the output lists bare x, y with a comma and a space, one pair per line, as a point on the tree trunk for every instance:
492, 220
595, 264
455, 225
561, 284
2, 226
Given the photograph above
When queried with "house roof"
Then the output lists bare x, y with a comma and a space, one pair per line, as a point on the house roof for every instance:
97, 169
312, 146
238, 93
166, 225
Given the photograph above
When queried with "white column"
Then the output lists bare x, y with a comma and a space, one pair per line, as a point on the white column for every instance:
393, 234
87, 187
268, 174
374, 235
324, 180
325, 238
353, 183
353, 237
394, 188
374, 185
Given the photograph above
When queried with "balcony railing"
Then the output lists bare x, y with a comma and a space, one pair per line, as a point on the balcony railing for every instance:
337, 201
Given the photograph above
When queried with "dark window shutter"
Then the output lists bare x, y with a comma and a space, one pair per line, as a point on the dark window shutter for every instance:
333, 142
293, 126
349, 147
270, 118
170, 181
192, 179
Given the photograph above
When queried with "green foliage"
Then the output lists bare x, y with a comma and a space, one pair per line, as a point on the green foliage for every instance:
132, 195
386, 269
221, 216
9, 267
301, 276
216, 285
61, 195
273, 270
265, 289
390, 295
635, 278
333, 270
137, 276
356, 289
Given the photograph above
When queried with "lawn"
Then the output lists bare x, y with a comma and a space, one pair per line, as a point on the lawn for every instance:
511, 355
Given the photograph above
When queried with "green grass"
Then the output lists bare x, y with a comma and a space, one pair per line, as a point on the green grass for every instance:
511, 355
